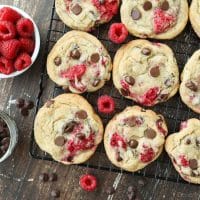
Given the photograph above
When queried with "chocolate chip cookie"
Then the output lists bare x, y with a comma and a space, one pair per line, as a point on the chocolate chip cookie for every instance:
79, 62
146, 72
68, 129
134, 138
160, 19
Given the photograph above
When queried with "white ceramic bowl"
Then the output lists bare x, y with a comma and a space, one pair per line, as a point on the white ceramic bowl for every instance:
37, 43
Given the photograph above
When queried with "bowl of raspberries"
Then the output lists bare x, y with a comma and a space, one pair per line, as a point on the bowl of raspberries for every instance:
19, 41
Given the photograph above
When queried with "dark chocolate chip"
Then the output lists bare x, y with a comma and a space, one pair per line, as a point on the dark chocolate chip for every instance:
163, 96
82, 114
188, 142
133, 143
76, 9
24, 112
96, 82
146, 51
29, 105
20, 102
57, 61
193, 164
55, 193
124, 92
80, 136
119, 158
130, 121
53, 177
44, 177
135, 14
147, 5
110, 190
150, 133
49, 103
130, 80
75, 54
155, 71
192, 86
59, 141
197, 143
69, 127
69, 158
165, 6
95, 58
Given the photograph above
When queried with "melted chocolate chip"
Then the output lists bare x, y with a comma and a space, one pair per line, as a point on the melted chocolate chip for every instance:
69, 127
135, 14
96, 82
155, 71
49, 103
80, 136
119, 158
188, 142
76, 9
57, 61
69, 158
95, 58
124, 92
197, 143
82, 114
133, 143
147, 5
150, 133
59, 141
75, 54
165, 6
130, 80
193, 164
146, 51
192, 86
130, 121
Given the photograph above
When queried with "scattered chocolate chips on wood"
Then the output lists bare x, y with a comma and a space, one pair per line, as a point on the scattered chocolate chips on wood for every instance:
25, 106
43, 177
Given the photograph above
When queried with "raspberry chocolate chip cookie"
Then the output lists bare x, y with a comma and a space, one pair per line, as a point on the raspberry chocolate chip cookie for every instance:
190, 85
194, 15
134, 138
146, 72
160, 19
80, 62
184, 150
84, 15
68, 129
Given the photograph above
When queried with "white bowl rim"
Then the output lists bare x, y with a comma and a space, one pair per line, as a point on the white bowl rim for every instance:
37, 42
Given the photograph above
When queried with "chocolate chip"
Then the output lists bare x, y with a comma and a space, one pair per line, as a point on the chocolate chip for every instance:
188, 142
49, 103
53, 177
75, 54
44, 177
133, 143
146, 51
29, 105
57, 61
147, 5
24, 112
96, 82
20, 102
165, 6
130, 80
197, 143
59, 141
80, 136
193, 164
82, 114
130, 121
150, 133
163, 96
135, 14
69, 158
55, 193
95, 58
69, 127
119, 158
110, 190
155, 71
192, 86
124, 92
76, 9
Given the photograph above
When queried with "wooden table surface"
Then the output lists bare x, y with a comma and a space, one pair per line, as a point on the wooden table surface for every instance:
19, 174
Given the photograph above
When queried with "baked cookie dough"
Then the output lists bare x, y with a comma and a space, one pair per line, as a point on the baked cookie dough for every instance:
194, 15
160, 19
190, 85
68, 129
84, 15
146, 72
134, 138
79, 62
184, 150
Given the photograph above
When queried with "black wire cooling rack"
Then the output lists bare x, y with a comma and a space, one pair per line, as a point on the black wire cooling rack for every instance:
173, 110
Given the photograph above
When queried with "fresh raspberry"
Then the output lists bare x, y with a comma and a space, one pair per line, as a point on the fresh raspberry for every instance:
117, 33
184, 162
7, 30
25, 27
107, 8
117, 141
22, 61
147, 155
8, 14
6, 66
88, 182
159, 124
27, 45
106, 104
162, 21
76, 71
10, 48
